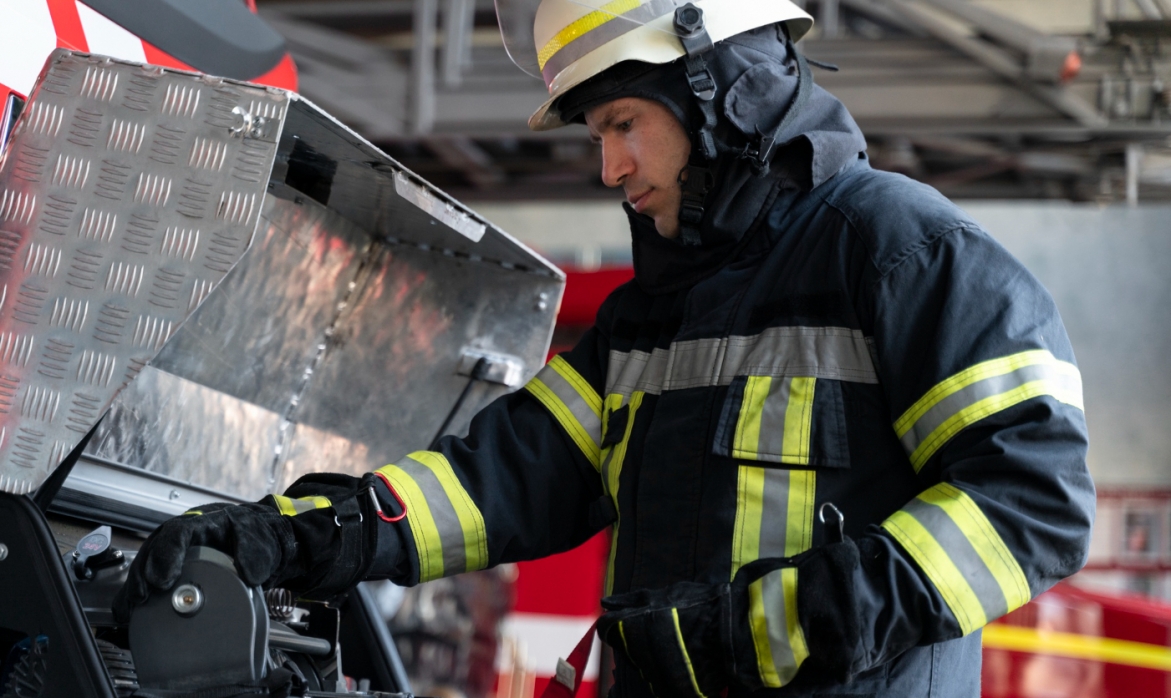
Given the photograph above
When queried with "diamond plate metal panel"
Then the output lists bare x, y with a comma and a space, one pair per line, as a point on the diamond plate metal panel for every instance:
126, 195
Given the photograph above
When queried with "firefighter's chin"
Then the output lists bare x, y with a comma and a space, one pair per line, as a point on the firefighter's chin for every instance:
667, 224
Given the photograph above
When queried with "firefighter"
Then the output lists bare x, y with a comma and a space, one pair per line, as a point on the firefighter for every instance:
834, 427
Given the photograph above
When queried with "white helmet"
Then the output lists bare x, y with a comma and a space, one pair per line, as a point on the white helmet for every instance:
567, 42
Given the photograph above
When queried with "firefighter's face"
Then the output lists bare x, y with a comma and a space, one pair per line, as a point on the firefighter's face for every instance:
644, 148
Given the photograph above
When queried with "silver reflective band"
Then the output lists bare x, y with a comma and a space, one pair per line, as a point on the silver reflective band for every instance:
963, 555
573, 403
980, 391
836, 353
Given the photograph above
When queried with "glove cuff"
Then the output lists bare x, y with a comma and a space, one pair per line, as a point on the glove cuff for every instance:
827, 607
767, 645
337, 539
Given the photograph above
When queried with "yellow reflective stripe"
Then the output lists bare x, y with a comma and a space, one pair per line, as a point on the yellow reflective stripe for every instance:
792, 623
776, 420
776, 630
749, 512
758, 623
284, 505
573, 424
774, 514
980, 391
939, 568
746, 442
686, 657
967, 377
475, 533
581, 385
193, 512
612, 472
428, 543
582, 25
1101, 649
798, 421
799, 520
974, 413
565, 418
292, 507
987, 542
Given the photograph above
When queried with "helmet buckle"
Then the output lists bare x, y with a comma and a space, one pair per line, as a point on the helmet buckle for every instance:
702, 85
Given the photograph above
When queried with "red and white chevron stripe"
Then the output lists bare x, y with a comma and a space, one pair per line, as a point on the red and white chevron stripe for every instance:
556, 603
31, 29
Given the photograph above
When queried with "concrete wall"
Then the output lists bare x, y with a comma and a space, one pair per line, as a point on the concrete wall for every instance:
1108, 268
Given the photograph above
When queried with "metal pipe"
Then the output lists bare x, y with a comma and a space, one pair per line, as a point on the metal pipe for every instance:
423, 66
458, 19
829, 19
1004, 29
282, 639
1149, 9
1002, 64
1134, 162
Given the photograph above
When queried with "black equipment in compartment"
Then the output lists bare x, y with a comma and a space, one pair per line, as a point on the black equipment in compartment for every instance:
42, 606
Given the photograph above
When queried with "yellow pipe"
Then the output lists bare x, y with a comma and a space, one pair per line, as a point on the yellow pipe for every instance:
1102, 649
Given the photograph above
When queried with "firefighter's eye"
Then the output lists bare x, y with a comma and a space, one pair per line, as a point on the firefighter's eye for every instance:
625, 126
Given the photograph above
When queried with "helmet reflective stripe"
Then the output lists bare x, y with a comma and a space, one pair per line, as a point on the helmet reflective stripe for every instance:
574, 40
597, 28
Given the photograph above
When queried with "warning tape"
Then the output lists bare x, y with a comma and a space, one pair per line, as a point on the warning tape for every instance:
1102, 649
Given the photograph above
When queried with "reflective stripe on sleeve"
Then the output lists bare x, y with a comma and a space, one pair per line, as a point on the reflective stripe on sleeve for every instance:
981, 391
776, 631
575, 405
955, 545
448, 528
774, 514
292, 507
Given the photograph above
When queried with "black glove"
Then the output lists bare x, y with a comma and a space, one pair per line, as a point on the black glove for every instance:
320, 538
697, 639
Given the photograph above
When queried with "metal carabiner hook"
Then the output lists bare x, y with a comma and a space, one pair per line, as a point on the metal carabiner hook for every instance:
833, 533
378, 504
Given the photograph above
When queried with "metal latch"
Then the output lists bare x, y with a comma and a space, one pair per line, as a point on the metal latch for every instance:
499, 368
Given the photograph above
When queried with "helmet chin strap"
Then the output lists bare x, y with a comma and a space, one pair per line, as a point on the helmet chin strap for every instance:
697, 179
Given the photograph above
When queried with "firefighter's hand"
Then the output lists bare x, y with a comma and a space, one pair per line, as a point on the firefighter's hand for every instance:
319, 539
256, 536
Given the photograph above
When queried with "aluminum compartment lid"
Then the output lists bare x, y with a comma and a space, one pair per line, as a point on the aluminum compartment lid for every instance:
246, 288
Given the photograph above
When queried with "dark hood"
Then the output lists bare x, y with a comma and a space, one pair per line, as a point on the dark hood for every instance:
756, 78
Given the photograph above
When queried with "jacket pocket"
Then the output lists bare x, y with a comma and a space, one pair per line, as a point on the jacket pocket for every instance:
788, 420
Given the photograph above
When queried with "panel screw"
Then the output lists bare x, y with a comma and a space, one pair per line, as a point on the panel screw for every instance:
173, 495
187, 599
3, 552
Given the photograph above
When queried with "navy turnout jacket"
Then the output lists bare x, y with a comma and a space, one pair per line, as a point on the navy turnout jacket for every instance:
870, 346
